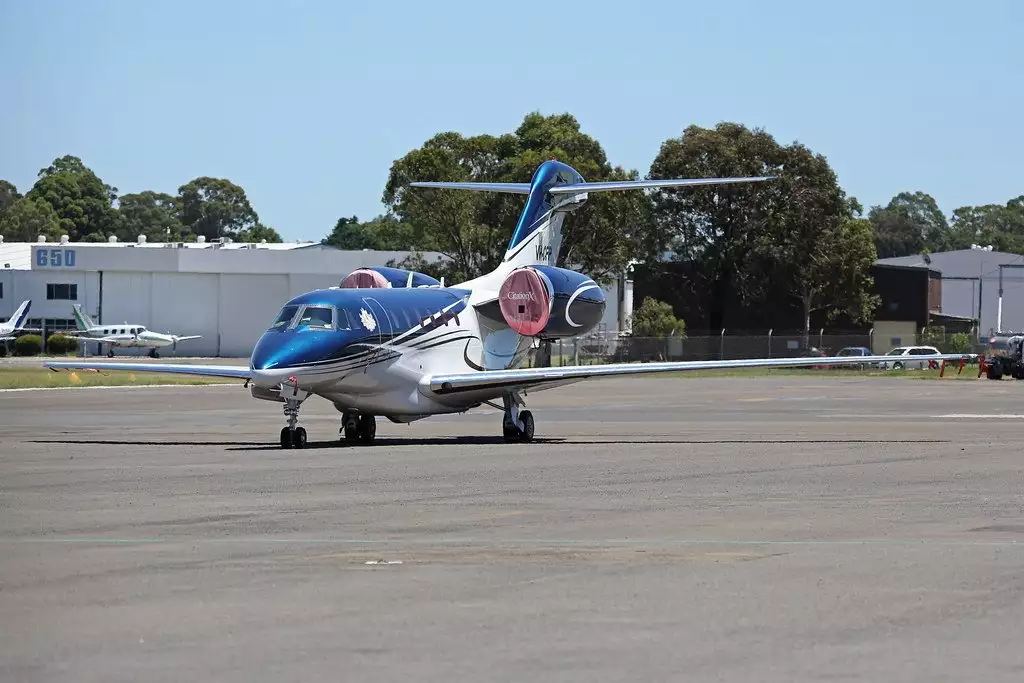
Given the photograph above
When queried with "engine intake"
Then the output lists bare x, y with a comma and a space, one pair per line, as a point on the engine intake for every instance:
550, 303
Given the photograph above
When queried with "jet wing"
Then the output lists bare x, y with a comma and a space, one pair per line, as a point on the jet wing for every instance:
229, 371
537, 378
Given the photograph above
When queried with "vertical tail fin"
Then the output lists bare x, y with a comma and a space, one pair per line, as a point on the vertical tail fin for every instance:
538, 234
21, 315
82, 320
537, 238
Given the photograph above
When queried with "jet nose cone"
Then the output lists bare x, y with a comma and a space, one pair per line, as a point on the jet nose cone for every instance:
268, 353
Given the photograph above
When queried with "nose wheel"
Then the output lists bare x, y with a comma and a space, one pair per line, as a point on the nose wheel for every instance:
293, 438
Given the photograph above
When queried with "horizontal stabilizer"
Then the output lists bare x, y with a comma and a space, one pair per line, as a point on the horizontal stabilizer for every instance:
512, 188
645, 184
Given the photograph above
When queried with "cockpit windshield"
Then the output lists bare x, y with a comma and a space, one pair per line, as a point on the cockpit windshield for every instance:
284, 317
321, 317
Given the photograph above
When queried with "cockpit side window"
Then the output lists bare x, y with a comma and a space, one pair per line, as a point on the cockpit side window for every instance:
320, 317
346, 321
284, 317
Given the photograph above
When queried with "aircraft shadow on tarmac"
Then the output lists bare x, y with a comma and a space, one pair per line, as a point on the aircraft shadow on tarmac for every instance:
469, 441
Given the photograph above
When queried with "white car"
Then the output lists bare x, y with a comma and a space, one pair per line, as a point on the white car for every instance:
911, 358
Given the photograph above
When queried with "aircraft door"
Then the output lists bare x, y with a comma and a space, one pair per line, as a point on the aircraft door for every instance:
375, 318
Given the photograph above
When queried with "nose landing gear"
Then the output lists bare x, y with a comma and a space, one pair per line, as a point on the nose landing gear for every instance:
292, 436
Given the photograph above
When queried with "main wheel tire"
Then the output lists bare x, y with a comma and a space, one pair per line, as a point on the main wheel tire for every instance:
367, 430
526, 434
286, 438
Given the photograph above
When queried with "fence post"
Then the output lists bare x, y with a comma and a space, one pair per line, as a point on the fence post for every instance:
770, 342
721, 350
871, 340
821, 338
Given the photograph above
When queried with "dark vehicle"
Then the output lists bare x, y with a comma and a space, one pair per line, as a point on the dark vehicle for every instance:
1004, 356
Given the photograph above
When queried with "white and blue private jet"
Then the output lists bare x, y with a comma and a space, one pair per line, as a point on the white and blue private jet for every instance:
401, 345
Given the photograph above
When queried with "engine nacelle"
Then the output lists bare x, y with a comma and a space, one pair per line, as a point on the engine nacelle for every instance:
376, 277
550, 303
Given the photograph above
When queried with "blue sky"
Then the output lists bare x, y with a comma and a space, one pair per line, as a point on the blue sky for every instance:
306, 104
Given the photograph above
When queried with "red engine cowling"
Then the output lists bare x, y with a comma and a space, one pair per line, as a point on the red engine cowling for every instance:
364, 278
525, 300
550, 303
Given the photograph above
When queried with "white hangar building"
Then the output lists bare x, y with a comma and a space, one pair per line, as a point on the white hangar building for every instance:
227, 292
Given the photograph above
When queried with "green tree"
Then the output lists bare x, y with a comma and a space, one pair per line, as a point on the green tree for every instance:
215, 208
28, 218
655, 318
83, 203
8, 196
1002, 226
153, 214
384, 233
910, 224
473, 229
827, 264
746, 240
258, 233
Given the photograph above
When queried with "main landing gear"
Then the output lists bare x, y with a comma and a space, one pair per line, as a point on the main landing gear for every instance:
293, 436
358, 428
517, 425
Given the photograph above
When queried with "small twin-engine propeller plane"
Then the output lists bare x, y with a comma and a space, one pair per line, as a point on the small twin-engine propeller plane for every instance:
393, 343
126, 335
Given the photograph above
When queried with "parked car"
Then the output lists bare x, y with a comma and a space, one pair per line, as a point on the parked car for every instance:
855, 351
912, 358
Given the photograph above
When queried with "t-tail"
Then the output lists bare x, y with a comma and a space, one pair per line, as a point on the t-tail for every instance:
555, 190
21, 315
82, 320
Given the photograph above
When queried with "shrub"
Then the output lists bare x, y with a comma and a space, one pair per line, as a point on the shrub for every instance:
58, 343
28, 345
959, 343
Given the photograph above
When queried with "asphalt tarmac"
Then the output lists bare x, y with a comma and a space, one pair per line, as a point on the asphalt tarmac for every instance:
769, 529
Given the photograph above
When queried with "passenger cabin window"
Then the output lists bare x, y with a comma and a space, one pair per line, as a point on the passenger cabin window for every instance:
320, 317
